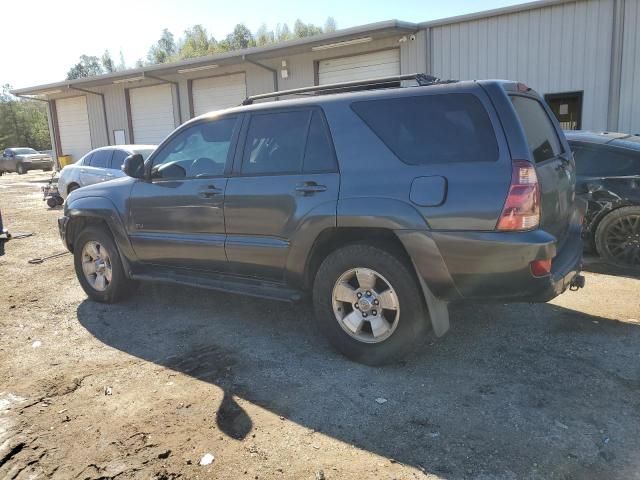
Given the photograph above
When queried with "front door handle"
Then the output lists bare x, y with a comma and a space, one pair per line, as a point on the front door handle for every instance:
309, 188
209, 191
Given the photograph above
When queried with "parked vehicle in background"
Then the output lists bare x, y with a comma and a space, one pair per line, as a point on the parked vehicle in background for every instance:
382, 205
608, 177
23, 159
99, 165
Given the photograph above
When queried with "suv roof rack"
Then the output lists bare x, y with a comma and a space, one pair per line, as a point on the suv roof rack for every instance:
343, 87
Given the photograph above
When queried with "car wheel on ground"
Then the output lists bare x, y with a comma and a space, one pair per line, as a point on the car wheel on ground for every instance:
368, 304
99, 267
21, 169
618, 237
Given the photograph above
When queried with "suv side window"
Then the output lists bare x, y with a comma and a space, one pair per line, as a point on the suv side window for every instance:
101, 158
198, 151
431, 129
275, 142
318, 155
541, 134
118, 159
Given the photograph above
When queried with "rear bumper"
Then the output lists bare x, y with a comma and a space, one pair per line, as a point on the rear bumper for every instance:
494, 266
38, 165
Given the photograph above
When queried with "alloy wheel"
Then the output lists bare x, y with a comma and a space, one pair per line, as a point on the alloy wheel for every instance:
365, 305
96, 265
622, 240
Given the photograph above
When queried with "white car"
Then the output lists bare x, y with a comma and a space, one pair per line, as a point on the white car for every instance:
99, 165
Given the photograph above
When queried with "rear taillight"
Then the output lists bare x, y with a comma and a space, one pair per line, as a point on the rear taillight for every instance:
522, 208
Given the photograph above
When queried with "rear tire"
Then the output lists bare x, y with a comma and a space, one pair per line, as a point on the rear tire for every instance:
21, 169
94, 252
389, 289
617, 237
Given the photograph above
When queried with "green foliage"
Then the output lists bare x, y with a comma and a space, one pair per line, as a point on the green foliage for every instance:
164, 49
240, 38
301, 29
330, 25
196, 42
88, 66
23, 123
108, 64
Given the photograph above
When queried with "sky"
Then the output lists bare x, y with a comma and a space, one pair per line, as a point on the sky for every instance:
42, 39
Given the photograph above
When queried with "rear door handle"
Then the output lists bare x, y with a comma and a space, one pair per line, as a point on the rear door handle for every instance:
309, 188
209, 191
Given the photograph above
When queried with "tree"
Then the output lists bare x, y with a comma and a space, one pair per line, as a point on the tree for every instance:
330, 25
88, 66
108, 64
301, 29
282, 32
264, 36
121, 64
164, 49
196, 43
240, 38
22, 122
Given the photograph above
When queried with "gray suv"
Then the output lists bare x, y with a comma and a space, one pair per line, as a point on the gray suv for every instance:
381, 205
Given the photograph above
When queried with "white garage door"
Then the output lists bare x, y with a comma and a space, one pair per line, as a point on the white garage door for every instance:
73, 124
151, 113
215, 93
359, 67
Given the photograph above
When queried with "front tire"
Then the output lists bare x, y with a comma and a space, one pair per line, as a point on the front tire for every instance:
617, 237
368, 304
99, 267
21, 169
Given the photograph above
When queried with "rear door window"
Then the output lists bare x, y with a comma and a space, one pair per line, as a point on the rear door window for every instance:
602, 161
101, 158
431, 129
541, 134
275, 142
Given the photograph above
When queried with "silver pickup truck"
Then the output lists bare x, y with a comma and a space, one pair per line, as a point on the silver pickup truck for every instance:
23, 159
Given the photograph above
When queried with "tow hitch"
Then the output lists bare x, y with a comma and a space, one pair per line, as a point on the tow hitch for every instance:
577, 283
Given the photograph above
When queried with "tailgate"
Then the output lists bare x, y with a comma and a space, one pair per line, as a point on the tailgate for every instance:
554, 165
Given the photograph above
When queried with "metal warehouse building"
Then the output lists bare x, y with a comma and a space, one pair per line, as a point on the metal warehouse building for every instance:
584, 56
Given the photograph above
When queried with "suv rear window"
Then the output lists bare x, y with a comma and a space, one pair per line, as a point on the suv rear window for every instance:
541, 135
431, 129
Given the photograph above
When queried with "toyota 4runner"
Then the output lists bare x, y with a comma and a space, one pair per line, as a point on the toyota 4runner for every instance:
381, 205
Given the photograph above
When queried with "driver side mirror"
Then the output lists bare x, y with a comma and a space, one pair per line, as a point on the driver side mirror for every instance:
133, 166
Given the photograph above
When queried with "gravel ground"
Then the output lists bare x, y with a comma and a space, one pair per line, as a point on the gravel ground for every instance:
145, 388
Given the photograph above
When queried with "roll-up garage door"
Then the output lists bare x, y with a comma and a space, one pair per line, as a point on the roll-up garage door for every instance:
73, 126
359, 67
151, 113
215, 93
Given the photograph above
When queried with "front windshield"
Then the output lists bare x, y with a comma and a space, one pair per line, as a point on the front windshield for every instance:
24, 151
145, 153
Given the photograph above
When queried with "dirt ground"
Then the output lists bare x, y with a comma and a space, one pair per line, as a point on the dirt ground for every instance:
145, 388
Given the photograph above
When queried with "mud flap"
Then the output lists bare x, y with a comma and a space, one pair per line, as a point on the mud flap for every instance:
438, 310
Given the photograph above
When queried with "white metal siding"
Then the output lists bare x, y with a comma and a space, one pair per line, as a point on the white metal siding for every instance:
215, 93
359, 67
560, 48
629, 117
73, 122
151, 113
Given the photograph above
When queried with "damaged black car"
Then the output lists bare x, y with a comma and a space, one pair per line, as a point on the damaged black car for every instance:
608, 177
